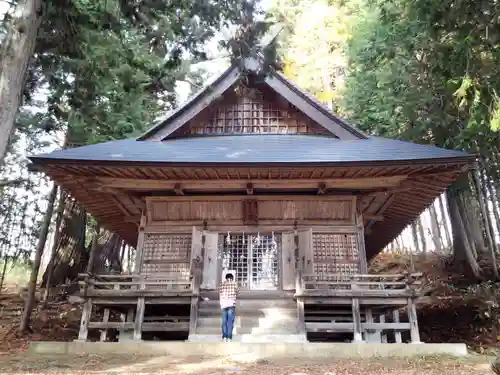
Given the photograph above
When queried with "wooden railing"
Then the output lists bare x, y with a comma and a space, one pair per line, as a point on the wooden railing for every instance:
361, 291
133, 284
358, 282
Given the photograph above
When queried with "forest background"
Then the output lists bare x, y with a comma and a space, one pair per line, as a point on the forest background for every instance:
75, 72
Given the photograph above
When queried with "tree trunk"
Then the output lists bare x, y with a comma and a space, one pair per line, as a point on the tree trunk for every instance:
4, 272
398, 245
446, 227
421, 232
481, 194
494, 201
415, 235
471, 234
435, 230
57, 235
462, 250
42, 238
15, 55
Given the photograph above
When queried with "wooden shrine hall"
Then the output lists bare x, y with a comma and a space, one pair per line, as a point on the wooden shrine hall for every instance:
253, 176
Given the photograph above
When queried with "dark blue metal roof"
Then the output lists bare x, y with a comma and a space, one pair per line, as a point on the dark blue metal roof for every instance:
239, 149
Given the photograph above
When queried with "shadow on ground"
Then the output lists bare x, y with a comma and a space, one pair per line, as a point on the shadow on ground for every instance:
93, 364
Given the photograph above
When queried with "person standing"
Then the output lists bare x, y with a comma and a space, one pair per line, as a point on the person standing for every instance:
228, 292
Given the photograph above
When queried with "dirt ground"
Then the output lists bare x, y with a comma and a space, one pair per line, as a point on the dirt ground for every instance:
31, 364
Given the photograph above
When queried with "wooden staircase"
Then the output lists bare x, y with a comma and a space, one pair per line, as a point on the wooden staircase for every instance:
265, 317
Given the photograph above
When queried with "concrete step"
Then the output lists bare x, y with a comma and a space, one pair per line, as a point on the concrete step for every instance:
258, 309
252, 338
248, 330
267, 295
245, 321
253, 303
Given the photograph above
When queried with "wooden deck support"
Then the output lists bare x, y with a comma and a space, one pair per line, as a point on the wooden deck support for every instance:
356, 318
193, 316
397, 334
383, 334
372, 294
87, 305
412, 317
84, 321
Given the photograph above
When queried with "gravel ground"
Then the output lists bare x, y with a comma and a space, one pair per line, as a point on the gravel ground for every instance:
31, 364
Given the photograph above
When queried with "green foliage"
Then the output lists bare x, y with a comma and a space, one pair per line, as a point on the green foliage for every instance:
427, 72
111, 65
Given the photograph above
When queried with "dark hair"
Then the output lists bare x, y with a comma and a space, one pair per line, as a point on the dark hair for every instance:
229, 276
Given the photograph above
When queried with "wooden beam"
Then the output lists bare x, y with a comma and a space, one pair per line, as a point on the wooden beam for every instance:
137, 184
132, 219
373, 217
150, 326
250, 188
321, 188
358, 293
346, 326
178, 189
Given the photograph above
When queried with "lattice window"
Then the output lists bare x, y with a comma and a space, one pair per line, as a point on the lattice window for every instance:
235, 257
335, 254
167, 255
254, 115
254, 259
337, 247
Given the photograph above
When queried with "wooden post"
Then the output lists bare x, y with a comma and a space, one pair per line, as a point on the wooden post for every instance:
125, 335
87, 306
383, 335
140, 242
301, 317
105, 319
193, 316
139, 315
397, 334
298, 282
363, 263
412, 317
371, 336
84, 322
356, 319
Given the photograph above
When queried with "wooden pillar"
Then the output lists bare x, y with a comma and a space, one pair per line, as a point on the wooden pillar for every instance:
84, 322
363, 262
412, 317
356, 319
301, 317
139, 315
371, 335
125, 335
193, 316
105, 319
397, 334
140, 242
383, 335
87, 305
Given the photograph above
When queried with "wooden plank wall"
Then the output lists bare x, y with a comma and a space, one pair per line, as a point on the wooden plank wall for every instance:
336, 245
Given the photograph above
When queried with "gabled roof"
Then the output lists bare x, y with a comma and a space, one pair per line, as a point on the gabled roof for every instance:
255, 149
273, 79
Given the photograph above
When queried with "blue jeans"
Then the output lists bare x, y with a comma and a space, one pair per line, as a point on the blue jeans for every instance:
228, 315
